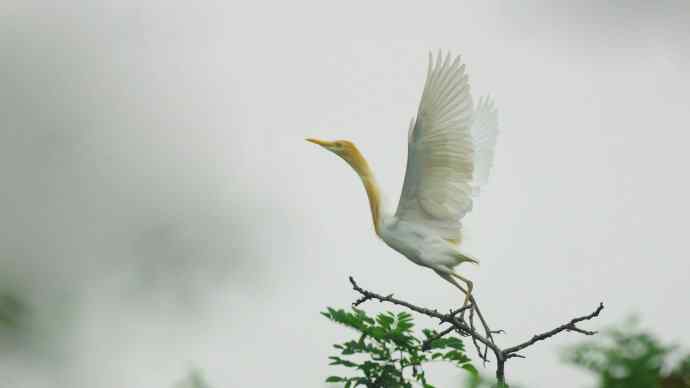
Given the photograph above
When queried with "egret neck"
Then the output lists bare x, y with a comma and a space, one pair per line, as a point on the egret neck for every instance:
355, 159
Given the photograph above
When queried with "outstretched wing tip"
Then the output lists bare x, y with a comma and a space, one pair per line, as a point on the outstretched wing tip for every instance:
485, 130
437, 191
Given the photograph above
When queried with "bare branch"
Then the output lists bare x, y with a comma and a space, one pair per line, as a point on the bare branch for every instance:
468, 329
368, 295
570, 326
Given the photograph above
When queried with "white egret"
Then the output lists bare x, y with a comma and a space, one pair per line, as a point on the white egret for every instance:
450, 152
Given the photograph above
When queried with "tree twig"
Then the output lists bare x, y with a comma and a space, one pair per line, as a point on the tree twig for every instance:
467, 328
570, 326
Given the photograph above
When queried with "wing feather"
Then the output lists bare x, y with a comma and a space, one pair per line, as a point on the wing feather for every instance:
484, 132
437, 190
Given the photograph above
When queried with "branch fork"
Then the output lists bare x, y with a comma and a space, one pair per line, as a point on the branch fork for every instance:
467, 328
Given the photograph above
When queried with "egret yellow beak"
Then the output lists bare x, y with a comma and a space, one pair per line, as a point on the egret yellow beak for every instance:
322, 143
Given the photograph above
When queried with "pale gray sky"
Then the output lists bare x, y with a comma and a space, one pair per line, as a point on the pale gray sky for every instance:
160, 205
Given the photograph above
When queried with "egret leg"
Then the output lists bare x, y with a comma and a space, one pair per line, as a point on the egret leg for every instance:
448, 275
475, 307
470, 287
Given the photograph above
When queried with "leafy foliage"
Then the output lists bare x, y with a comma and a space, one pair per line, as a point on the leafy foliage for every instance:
387, 353
629, 357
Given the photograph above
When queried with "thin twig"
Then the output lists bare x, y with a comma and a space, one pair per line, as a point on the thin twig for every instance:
426, 345
474, 340
570, 326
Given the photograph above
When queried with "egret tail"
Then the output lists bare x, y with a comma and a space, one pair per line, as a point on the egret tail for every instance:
463, 258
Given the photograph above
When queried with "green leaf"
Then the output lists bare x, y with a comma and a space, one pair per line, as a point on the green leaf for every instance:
334, 379
405, 323
470, 368
455, 343
378, 333
385, 320
340, 361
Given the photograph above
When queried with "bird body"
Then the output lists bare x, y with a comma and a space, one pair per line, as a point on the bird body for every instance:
450, 146
420, 244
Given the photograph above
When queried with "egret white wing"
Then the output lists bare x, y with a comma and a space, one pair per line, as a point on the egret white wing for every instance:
437, 190
484, 133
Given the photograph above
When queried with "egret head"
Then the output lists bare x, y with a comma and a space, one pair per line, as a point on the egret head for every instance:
343, 148
346, 150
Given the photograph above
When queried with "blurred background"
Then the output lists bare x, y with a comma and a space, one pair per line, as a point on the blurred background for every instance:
160, 212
